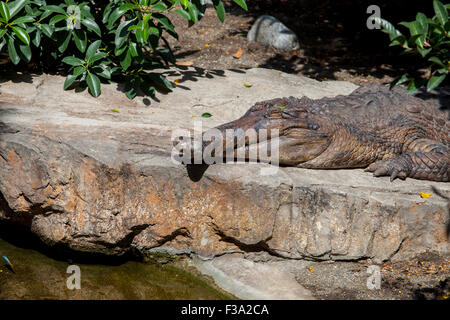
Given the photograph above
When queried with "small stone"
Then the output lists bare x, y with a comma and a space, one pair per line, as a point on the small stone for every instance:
270, 30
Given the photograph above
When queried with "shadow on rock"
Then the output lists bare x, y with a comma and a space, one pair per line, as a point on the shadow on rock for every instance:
440, 194
433, 293
17, 76
440, 97
183, 74
196, 171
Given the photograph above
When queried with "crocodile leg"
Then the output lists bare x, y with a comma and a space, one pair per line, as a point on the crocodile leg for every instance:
433, 163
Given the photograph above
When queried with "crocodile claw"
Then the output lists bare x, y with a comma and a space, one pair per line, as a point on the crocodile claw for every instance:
388, 167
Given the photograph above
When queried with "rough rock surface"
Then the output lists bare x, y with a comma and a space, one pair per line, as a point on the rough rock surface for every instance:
271, 31
81, 175
246, 279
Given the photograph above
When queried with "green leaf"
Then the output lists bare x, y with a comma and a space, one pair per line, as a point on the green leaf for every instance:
31, 29
242, 4
220, 10
447, 26
24, 19
3, 32
25, 50
159, 7
69, 81
54, 9
92, 25
441, 12
184, 3
125, 60
133, 49
414, 85
57, 18
65, 44
102, 72
148, 90
116, 14
412, 26
107, 12
86, 12
193, 12
151, 31
437, 61
206, 115
435, 81
47, 30
92, 49
78, 70
119, 51
122, 33
79, 36
131, 93
397, 81
183, 13
94, 84
399, 41
16, 6
422, 21
164, 21
424, 52
134, 27
73, 61
2, 43
146, 19
128, 6
22, 35
97, 56
140, 31
45, 14
387, 27
13, 55
130, 87
4, 11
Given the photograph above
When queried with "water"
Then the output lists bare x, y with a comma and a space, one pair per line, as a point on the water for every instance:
39, 276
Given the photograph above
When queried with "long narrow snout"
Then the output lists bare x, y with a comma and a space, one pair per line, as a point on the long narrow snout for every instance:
269, 132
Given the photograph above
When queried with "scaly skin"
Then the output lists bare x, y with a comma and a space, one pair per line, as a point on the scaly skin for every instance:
385, 131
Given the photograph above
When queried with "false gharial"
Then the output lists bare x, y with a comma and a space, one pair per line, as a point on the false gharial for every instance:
388, 132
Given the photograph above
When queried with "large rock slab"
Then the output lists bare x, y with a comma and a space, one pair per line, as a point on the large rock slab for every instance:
78, 174
250, 280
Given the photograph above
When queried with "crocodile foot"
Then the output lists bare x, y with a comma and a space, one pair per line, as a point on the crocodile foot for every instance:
395, 168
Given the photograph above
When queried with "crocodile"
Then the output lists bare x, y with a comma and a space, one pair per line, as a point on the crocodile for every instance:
386, 131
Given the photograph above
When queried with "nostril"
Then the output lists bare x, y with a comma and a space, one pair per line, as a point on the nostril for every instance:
313, 126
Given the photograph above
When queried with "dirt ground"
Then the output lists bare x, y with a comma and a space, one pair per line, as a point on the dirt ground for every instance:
335, 43
424, 278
